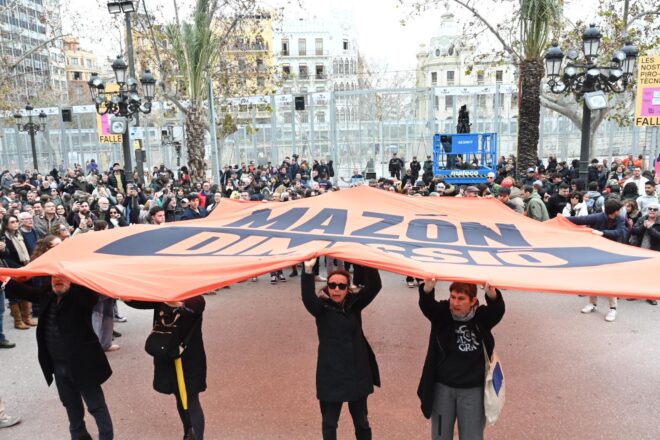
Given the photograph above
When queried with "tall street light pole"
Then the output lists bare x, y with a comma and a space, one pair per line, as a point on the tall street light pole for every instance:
31, 128
588, 81
127, 7
123, 104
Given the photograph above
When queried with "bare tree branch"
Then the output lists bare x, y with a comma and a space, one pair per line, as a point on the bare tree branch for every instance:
570, 113
20, 59
655, 11
507, 47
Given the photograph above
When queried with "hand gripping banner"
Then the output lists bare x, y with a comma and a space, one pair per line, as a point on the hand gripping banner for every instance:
461, 239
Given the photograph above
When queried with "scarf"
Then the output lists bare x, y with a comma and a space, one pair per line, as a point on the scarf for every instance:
19, 245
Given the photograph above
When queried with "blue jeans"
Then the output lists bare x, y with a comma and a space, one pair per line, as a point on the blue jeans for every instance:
2, 314
72, 398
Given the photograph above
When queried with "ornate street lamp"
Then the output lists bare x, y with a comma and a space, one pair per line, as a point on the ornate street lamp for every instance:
127, 7
125, 104
589, 81
31, 128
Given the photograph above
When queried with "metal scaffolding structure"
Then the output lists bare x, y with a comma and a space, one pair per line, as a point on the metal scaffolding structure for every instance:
353, 128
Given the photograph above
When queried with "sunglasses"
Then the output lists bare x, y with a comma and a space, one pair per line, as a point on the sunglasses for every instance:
653, 209
340, 286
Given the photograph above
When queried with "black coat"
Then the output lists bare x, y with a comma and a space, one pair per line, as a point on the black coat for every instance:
346, 368
485, 318
193, 357
87, 360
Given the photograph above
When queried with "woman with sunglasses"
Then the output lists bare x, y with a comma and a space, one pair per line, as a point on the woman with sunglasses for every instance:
346, 368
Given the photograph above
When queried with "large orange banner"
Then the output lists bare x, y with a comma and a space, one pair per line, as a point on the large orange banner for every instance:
466, 239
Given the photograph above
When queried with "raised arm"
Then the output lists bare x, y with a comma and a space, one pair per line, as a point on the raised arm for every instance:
427, 303
372, 286
308, 289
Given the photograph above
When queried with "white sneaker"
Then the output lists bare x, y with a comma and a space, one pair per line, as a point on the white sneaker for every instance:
410, 284
319, 278
588, 308
611, 315
7, 421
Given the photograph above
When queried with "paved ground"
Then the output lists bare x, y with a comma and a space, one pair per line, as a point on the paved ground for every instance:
569, 376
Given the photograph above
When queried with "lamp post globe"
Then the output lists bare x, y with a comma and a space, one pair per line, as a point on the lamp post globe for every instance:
591, 41
119, 67
631, 57
148, 84
553, 59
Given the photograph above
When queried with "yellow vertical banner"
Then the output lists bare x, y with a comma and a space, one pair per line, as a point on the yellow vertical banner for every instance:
647, 107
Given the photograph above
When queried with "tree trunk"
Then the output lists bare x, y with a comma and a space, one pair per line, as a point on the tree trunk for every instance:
196, 127
529, 114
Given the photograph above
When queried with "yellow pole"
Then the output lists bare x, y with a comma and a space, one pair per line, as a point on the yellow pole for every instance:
178, 365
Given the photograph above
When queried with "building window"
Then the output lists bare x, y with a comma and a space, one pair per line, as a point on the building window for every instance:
499, 75
74, 61
260, 65
320, 71
346, 67
261, 82
434, 78
449, 102
345, 45
436, 101
450, 77
320, 117
302, 46
288, 118
482, 101
335, 68
241, 64
77, 76
318, 46
285, 46
480, 78
302, 71
286, 70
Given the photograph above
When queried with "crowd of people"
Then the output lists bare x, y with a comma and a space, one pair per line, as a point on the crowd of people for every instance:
40, 210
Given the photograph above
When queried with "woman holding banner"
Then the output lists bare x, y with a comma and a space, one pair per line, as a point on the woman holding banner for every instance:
346, 368
452, 385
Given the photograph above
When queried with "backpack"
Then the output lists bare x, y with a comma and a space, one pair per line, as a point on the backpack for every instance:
595, 204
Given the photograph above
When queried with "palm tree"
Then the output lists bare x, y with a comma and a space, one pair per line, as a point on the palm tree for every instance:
537, 20
196, 49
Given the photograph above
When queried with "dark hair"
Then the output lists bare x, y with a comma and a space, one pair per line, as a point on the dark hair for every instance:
192, 196
100, 225
629, 188
564, 185
528, 188
593, 186
467, 288
504, 190
42, 246
155, 209
346, 274
577, 194
612, 206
